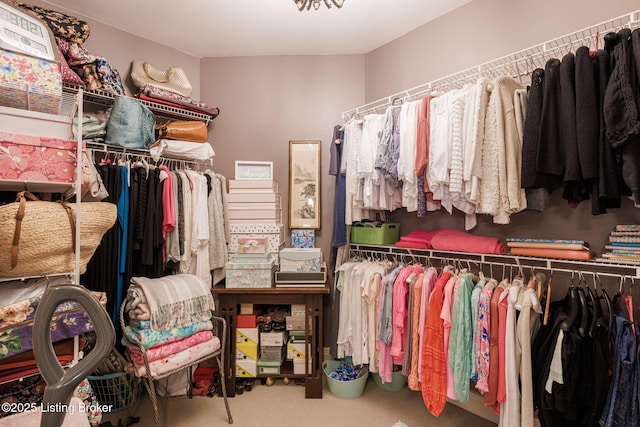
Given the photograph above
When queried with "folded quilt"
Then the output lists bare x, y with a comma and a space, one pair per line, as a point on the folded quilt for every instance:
165, 350
178, 360
149, 338
174, 301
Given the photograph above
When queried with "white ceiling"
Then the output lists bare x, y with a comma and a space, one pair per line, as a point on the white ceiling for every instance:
212, 28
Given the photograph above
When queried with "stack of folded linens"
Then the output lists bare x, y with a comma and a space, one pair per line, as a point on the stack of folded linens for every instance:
169, 322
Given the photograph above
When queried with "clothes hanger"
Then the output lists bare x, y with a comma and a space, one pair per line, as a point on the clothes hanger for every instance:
608, 302
547, 303
595, 304
572, 300
584, 308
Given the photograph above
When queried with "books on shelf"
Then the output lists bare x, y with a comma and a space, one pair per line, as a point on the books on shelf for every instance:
623, 245
518, 242
571, 254
627, 227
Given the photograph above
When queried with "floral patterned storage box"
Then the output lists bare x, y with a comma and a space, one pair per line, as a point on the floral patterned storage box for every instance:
16, 323
249, 275
273, 235
35, 158
30, 83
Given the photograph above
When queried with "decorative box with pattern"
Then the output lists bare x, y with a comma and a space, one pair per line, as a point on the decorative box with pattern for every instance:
34, 158
249, 275
273, 235
30, 83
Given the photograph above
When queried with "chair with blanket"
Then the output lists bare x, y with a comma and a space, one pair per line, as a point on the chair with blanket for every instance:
168, 325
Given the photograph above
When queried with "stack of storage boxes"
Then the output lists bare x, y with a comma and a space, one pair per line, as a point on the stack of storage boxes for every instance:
257, 233
296, 348
253, 202
271, 352
255, 217
246, 344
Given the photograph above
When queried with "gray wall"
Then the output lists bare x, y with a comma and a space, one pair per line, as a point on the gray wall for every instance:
267, 101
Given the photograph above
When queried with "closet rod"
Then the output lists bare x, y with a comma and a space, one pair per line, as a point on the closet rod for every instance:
513, 63
553, 265
137, 152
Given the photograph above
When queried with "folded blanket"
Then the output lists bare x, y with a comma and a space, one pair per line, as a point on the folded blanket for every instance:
182, 149
420, 236
146, 324
149, 338
174, 301
141, 312
178, 360
459, 241
412, 245
165, 350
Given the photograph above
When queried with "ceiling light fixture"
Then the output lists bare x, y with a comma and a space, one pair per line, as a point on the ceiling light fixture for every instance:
306, 4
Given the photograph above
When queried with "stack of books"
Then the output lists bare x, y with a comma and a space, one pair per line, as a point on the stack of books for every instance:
550, 248
623, 244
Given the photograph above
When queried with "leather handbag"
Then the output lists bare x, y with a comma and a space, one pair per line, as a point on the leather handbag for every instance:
174, 79
183, 130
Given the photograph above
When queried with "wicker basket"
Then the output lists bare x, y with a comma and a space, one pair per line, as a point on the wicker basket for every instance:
119, 390
45, 238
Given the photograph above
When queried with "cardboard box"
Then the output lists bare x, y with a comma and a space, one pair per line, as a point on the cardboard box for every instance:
252, 245
246, 309
40, 159
300, 259
250, 205
246, 275
274, 236
295, 323
246, 368
298, 310
247, 351
241, 198
246, 321
271, 353
30, 83
246, 335
261, 214
296, 350
303, 238
298, 366
253, 184
273, 338
269, 368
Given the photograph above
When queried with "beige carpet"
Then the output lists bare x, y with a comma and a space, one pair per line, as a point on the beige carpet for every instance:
285, 406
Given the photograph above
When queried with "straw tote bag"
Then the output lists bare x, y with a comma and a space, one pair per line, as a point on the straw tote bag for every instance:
174, 79
38, 238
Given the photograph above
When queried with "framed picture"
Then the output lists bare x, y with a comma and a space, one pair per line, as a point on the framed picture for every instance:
304, 184
254, 170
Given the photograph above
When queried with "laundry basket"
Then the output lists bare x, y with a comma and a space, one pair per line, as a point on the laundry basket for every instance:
344, 389
119, 390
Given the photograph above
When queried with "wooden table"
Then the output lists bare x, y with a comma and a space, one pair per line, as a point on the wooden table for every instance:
311, 297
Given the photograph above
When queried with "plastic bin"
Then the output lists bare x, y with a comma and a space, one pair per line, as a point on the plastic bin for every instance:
344, 389
398, 381
387, 234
